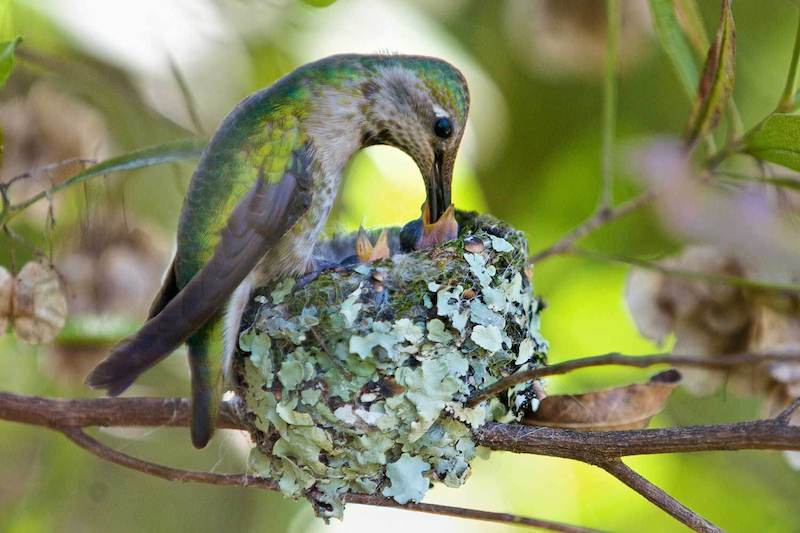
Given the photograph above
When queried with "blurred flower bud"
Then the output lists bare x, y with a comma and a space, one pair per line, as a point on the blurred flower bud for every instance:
777, 329
715, 319
708, 318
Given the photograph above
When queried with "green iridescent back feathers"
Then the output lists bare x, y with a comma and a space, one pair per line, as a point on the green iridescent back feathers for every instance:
264, 129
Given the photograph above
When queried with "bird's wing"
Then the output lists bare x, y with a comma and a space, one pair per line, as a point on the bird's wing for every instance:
169, 289
257, 223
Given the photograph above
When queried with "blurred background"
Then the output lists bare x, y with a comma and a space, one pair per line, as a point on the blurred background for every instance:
96, 78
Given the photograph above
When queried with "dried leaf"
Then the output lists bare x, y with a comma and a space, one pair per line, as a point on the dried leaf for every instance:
691, 20
39, 304
629, 407
6, 295
716, 82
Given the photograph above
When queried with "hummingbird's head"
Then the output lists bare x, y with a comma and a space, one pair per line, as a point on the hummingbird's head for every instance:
419, 105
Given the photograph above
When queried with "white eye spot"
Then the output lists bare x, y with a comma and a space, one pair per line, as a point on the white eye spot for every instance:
439, 112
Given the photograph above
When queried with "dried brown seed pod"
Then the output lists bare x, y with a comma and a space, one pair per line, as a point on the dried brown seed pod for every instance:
6, 294
39, 303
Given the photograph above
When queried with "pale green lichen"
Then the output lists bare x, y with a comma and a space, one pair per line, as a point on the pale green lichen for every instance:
374, 364
407, 482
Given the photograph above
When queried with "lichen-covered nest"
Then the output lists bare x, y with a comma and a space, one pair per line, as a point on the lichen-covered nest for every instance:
356, 380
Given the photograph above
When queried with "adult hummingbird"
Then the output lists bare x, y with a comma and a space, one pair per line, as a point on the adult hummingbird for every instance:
263, 190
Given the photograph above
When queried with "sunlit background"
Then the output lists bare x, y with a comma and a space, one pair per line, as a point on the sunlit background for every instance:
96, 78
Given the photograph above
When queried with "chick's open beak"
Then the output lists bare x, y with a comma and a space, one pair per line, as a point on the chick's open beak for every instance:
442, 230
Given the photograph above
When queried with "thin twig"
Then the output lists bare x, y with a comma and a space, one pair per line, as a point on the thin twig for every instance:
598, 219
613, 19
92, 445
787, 101
46, 169
639, 361
785, 415
473, 514
727, 279
657, 496
168, 473
145, 157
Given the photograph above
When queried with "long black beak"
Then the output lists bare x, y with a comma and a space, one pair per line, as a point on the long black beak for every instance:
438, 188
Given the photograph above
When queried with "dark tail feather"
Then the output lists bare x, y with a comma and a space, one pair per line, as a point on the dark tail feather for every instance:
205, 400
116, 372
127, 361
205, 363
159, 337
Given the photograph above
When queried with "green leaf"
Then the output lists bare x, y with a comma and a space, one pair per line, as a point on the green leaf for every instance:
7, 58
97, 330
675, 44
146, 157
776, 140
789, 182
691, 21
319, 3
716, 83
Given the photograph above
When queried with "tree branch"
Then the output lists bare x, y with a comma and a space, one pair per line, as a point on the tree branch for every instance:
772, 434
785, 415
640, 361
93, 446
603, 448
601, 217
71, 416
658, 497
593, 446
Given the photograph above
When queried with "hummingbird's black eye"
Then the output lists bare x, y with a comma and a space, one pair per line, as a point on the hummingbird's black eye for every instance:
443, 127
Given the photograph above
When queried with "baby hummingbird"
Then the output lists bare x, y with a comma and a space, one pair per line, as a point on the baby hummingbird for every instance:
261, 195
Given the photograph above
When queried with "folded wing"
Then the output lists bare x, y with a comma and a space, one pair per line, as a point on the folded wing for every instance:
257, 223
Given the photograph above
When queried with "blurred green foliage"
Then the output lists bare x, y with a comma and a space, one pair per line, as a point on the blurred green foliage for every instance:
541, 175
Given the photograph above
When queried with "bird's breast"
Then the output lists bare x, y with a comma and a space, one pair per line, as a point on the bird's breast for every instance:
292, 255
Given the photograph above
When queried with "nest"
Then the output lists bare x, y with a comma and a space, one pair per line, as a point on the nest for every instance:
356, 381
